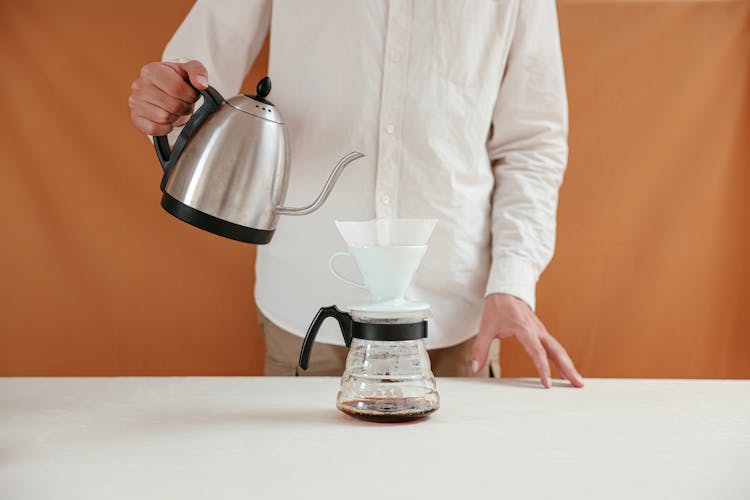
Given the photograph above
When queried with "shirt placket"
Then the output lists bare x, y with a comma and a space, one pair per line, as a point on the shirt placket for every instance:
390, 135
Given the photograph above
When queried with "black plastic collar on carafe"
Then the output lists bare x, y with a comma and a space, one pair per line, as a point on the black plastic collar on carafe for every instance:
263, 89
389, 332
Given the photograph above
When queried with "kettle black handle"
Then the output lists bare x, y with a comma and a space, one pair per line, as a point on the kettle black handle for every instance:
168, 157
345, 322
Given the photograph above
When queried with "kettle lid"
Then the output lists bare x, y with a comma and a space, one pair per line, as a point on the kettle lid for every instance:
257, 105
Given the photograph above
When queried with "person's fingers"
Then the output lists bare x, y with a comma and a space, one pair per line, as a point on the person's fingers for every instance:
531, 343
154, 95
154, 113
560, 358
169, 81
481, 347
194, 70
182, 120
150, 128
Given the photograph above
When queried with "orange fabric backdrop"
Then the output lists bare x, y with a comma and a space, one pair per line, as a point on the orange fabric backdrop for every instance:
651, 276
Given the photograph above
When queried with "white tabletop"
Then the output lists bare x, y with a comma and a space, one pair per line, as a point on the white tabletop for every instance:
268, 438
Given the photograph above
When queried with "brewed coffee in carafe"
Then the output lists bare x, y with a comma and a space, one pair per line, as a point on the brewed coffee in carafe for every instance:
387, 376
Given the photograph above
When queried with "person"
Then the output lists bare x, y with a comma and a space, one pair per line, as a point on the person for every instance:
461, 109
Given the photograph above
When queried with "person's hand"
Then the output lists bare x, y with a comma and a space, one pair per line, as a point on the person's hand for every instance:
507, 316
161, 99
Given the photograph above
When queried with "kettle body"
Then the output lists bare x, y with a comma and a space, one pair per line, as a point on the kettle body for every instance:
229, 169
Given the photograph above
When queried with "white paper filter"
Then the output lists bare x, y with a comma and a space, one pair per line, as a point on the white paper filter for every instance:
386, 232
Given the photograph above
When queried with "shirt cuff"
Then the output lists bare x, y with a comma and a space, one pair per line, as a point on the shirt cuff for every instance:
513, 276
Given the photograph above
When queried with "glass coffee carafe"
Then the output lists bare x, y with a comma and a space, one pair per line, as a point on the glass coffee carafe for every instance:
387, 376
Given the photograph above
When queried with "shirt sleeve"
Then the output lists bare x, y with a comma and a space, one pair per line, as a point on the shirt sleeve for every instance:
225, 36
528, 149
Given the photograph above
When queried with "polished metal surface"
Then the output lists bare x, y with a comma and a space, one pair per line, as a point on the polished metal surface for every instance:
235, 168
323, 196
256, 108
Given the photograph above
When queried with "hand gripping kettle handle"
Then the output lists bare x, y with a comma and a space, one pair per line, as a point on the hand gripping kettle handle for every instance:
168, 157
345, 322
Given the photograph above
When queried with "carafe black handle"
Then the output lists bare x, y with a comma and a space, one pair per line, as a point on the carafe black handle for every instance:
345, 322
168, 157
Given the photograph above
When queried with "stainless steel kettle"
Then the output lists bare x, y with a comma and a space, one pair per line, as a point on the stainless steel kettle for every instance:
229, 169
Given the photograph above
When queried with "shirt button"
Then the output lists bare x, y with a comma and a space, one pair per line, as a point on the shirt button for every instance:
386, 199
395, 56
390, 129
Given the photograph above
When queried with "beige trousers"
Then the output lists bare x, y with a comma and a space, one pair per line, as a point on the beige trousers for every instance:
282, 356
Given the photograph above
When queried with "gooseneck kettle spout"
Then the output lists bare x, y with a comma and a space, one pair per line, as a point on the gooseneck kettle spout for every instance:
323, 196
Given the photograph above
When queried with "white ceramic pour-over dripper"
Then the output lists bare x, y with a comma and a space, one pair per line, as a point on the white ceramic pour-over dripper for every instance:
387, 253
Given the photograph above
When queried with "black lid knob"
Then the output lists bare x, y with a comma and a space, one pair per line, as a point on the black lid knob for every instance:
264, 87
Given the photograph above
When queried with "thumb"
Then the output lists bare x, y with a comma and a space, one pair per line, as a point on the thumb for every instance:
481, 347
197, 73
194, 70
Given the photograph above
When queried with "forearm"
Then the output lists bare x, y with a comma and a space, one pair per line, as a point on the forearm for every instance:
528, 150
524, 219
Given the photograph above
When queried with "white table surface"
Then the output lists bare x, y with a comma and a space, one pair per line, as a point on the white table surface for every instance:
267, 438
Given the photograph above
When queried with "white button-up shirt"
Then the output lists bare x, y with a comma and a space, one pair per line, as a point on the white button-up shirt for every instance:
460, 107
